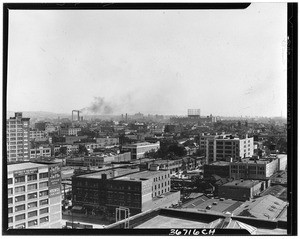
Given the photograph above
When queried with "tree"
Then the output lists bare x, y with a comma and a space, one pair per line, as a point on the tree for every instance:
82, 150
63, 150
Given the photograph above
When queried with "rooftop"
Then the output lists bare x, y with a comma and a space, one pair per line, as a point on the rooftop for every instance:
110, 173
242, 183
161, 221
266, 207
139, 144
140, 175
23, 166
216, 205
220, 163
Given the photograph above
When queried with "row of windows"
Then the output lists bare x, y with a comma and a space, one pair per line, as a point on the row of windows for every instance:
31, 177
30, 187
30, 223
162, 184
161, 178
29, 196
29, 205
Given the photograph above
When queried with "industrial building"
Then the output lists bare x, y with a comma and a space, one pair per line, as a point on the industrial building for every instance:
241, 190
135, 190
69, 131
34, 195
17, 136
138, 150
107, 141
250, 168
226, 147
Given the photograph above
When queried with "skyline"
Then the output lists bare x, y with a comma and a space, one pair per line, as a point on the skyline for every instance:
153, 62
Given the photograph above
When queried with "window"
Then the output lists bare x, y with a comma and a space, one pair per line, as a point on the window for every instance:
20, 208
44, 184
9, 181
20, 189
44, 219
32, 196
10, 200
10, 210
20, 217
20, 198
43, 202
32, 214
10, 219
44, 193
10, 191
20, 179
43, 175
32, 205
31, 177
44, 210
31, 187
32, 223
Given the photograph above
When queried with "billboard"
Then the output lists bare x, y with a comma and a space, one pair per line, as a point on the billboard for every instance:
54, 181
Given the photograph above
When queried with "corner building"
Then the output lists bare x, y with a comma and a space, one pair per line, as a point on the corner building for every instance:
34, 196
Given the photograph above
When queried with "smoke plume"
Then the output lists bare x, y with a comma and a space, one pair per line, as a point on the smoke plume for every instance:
99, 106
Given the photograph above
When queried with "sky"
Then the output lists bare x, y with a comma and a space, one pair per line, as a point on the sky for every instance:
223, 62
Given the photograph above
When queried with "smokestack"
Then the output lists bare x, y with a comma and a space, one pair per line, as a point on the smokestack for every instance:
126, 118
78, 119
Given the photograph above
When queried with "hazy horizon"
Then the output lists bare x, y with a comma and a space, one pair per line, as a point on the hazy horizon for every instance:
227, 63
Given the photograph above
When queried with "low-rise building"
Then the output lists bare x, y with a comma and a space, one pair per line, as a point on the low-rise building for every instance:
136, 190
69, 131
40, 152
138, 150
107, 141
241, 190
254, 169
38, 135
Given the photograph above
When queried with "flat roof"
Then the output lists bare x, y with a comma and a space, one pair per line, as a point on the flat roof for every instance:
25, 165
201, 204
108, 172
242, 183
143, 174
171, 222
220, 163
140, 144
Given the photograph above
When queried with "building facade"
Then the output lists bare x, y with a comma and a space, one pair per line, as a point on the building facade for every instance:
40, 152
108, 141
136, 190
17, 135
38, 135
226, 147
254, 169
241, 190
34, 195
138, 150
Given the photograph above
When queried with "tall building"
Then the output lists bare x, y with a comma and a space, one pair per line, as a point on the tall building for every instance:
17, 134
34, 195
